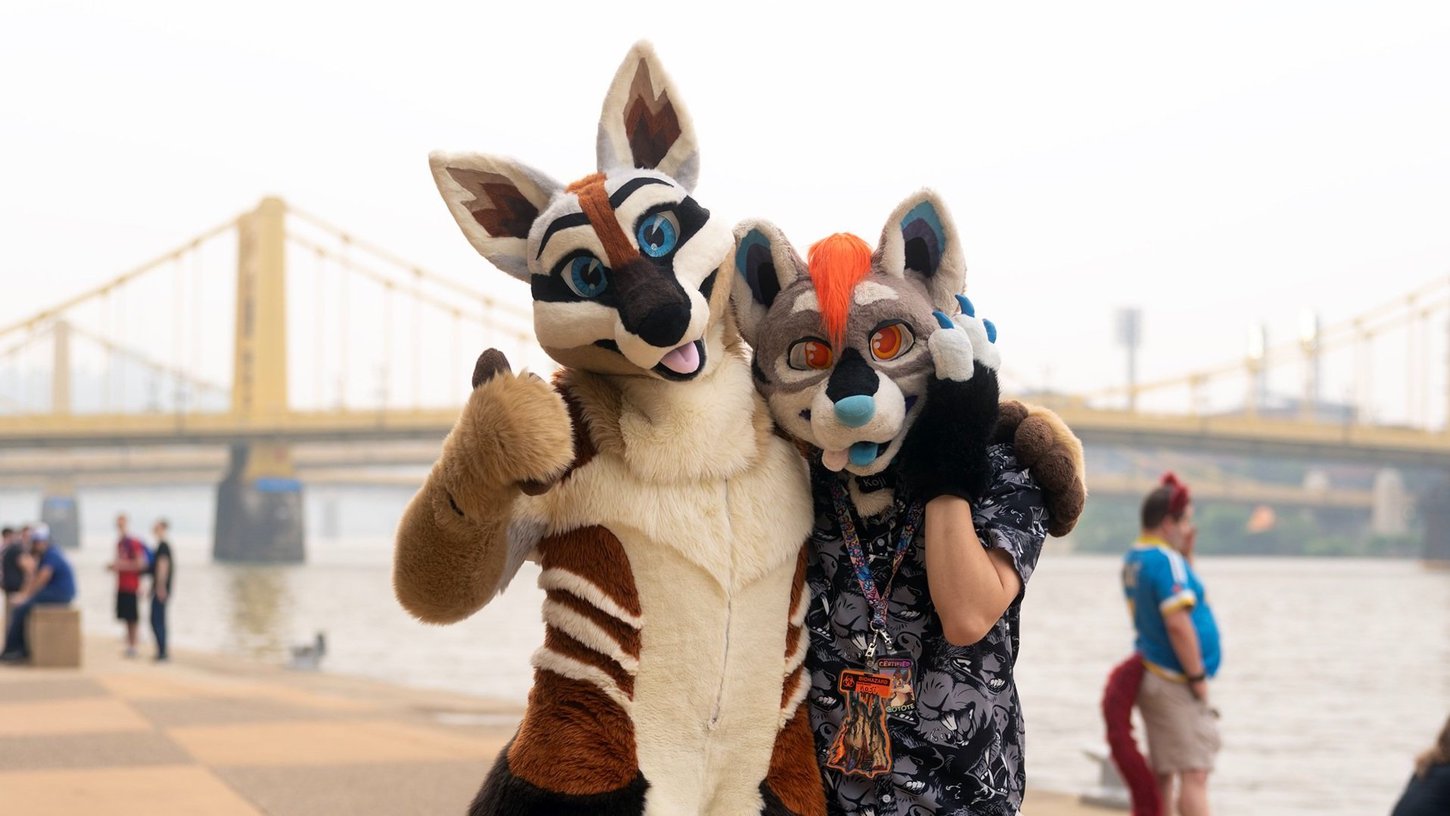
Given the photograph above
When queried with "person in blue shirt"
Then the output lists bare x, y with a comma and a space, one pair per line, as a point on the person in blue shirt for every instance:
1178, 642
51, 582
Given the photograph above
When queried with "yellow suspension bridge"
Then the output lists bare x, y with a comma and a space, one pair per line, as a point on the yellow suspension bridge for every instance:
108, 385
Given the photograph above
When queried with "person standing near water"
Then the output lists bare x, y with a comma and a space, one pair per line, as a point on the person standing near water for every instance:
129, 564
163, 568
1178, 643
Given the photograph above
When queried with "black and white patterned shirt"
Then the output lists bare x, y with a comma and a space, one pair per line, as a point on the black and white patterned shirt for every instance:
959, 752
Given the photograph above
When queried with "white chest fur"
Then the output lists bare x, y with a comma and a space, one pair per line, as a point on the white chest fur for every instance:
695, 474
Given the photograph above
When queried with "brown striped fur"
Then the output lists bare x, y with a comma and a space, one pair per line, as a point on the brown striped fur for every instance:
574, 739
794, 778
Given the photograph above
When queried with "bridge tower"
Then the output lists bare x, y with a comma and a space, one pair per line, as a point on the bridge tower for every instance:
259, 501
59, 509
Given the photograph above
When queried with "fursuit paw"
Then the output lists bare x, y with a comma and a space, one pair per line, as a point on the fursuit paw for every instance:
515, 430
1053, 454
945, 452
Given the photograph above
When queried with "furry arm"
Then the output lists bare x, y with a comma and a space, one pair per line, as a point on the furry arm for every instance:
1053, 454
945, 452
452, 543
971, 585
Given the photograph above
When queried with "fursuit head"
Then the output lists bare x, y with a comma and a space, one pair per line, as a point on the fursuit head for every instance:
849, 346
667, 516
621, 262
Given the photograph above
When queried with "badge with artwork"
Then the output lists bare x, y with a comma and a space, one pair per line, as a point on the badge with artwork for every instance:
901, 703
863, 747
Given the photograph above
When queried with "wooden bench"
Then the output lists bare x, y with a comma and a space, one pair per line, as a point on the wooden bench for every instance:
53, 633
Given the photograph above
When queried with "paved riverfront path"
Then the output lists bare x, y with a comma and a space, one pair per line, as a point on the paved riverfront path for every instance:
218, 736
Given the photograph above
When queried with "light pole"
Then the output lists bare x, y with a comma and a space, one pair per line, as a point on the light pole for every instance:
1309, 344
1130, 336
1258, 370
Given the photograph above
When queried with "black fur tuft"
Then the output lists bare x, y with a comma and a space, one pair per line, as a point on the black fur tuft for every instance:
945, 452
504, 794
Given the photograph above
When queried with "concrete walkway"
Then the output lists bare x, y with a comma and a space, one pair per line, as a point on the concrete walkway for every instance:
221, 737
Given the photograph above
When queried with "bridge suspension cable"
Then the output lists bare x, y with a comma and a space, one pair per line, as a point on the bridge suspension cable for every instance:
1400, 312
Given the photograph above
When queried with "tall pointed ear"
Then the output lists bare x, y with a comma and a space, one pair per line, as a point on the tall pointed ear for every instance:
644, 125
763, 264
495, 201
920, 241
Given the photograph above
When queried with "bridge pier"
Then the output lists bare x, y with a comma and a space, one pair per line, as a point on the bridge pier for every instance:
60, 511
259, 516
1435, 511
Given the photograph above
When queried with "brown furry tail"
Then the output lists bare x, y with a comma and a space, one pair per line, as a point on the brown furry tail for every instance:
1053, 454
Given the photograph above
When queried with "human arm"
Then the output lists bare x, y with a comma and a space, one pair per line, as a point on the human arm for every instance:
1184, 639
163, 572
971, 585
34, 583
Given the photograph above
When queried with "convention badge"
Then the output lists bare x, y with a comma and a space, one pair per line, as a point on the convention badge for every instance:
901, 702
855, 681
863, 746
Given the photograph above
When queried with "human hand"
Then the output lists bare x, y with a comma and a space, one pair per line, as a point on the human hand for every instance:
945, 452
161, 594
1199, 689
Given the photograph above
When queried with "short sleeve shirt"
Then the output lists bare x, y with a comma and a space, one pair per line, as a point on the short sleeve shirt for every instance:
960, 750
62, 585
128, 580
1157, 581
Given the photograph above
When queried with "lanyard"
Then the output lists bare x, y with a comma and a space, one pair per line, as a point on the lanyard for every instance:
876, 597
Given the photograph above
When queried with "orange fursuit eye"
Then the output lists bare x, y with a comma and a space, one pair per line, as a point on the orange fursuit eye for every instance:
890, 342
811, 355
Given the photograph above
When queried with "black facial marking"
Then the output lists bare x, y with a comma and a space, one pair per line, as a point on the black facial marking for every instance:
552, 288
709, 285
563, 222
608, 345
627, 189
652, 305
757, 372
853, 376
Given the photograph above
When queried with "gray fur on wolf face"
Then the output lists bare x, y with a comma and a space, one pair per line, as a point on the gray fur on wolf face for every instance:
622, 263
859, 396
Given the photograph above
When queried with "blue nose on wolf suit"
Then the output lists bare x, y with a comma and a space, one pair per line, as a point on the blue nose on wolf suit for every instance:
855, 411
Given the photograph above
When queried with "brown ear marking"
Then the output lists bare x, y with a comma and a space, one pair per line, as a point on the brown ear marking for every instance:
497, 204
650, 121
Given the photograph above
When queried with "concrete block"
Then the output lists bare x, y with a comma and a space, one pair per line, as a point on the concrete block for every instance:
54, 636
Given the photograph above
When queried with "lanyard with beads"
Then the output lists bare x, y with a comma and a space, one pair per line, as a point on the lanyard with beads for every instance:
876, 597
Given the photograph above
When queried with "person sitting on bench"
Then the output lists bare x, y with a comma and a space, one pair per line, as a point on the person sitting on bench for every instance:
51, 582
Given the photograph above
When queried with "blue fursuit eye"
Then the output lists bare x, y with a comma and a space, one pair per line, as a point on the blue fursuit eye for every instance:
587, 276
658, 234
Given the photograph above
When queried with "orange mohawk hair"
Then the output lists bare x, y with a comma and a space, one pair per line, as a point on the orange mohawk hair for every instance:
837, 263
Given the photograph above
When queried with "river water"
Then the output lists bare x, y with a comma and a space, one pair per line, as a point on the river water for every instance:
1336, 672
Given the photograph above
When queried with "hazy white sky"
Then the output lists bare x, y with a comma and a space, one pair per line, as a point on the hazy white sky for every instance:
1217, 166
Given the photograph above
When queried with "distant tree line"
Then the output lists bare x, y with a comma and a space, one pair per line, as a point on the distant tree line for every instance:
1110, 525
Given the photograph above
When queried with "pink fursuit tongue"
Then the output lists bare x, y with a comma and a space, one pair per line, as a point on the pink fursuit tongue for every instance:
683, 360
834, 461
